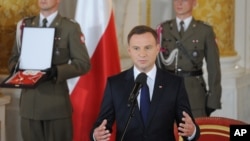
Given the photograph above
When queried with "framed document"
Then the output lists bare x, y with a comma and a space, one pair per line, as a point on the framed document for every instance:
35, 56
36, 51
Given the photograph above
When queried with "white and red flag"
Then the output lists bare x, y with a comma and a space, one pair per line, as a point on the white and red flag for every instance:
97, 22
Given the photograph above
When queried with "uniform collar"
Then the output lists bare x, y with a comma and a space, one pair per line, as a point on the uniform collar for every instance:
186, 21
50, 18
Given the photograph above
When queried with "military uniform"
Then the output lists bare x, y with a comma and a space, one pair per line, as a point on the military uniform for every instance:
50, 100
197, 43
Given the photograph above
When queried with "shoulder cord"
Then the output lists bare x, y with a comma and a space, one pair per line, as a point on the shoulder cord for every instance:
173, 55
19, 34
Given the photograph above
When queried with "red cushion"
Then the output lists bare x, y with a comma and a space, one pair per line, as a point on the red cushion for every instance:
213, 128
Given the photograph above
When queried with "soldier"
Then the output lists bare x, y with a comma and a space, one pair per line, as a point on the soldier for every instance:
46, 112
185, 43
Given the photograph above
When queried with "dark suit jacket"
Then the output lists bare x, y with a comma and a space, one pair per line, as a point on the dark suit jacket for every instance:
199, 42
50, 100
168, 101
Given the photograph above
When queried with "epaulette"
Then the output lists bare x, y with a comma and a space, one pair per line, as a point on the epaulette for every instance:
69, 19
29, 18
72, 20
167, 22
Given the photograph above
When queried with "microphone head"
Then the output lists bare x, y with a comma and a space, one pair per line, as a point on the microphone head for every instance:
141, 78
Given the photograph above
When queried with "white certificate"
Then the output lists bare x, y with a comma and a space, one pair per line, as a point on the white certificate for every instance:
37, 48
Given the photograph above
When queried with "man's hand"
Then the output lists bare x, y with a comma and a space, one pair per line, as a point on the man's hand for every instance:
100, 133
51, 73
187, 128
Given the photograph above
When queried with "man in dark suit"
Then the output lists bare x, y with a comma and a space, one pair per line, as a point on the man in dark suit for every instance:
168, 98
182, 53
46, 110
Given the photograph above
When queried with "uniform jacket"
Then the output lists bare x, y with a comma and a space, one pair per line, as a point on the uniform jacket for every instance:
50, 99
168, 101
199, 42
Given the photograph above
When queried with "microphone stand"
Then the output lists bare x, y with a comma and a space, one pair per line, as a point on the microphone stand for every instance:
132, 104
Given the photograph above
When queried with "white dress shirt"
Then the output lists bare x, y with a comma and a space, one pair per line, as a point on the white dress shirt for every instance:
186, 21
150, 82
50, 19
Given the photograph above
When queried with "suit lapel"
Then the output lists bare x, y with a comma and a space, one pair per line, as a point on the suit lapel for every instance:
174, 30
129, 87
35, 21
56, 21
157, 94
190, 30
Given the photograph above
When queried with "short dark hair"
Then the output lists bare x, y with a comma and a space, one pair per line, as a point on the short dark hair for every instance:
141, 29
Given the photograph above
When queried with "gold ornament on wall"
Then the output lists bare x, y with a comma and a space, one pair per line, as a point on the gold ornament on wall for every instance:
11, 12
219, 14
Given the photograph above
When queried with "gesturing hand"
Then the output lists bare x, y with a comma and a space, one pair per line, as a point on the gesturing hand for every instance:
100, 133
186, 128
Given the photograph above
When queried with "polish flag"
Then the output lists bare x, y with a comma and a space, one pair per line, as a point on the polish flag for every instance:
96, 19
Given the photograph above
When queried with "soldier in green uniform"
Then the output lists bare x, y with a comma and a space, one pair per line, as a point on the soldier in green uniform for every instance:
185, 43
46, 112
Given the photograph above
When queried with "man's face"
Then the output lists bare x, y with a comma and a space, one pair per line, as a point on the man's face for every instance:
143, 51
48, 5
183, 8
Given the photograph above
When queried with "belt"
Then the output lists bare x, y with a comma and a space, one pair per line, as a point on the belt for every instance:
183, 73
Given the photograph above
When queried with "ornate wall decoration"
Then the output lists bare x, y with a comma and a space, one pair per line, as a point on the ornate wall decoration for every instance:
219, 14
11, 12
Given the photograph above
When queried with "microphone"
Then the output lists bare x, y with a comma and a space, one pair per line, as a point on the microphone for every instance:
139, 81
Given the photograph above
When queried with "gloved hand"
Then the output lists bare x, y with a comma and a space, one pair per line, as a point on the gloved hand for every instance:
51, 73
209, 111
